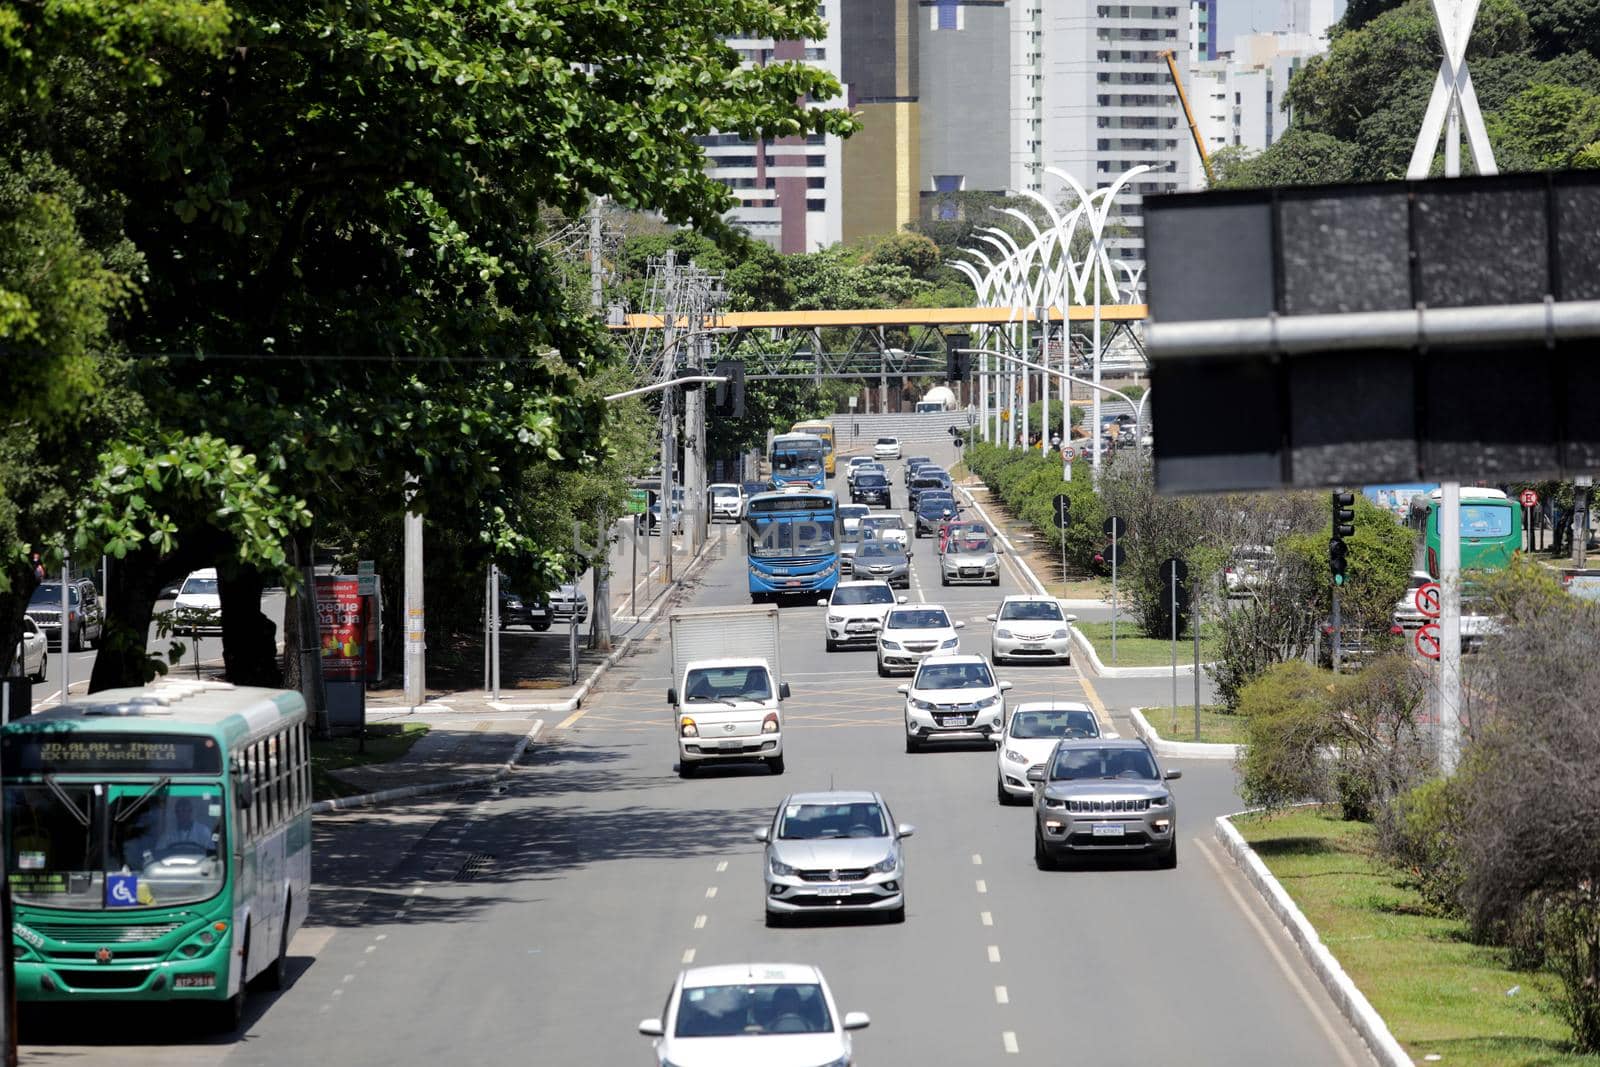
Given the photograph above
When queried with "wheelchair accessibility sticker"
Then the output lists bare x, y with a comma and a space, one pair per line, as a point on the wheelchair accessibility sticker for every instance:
122, 890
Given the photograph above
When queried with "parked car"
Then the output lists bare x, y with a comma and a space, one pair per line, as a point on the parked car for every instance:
85, 620
953, 698
774, 1014
32, 655
970, 558
727, 502
837, 851
568, 600
883, 561
1103, 796
516, 610
677, 511
1031, 627
913, 632
197, 609
886, 448
1031, 735
871, 488
1247, 568
855, 612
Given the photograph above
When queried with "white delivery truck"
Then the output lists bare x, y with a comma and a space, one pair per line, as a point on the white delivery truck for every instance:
728, 691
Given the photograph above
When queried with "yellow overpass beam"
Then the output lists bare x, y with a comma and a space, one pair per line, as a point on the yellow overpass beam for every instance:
889, 317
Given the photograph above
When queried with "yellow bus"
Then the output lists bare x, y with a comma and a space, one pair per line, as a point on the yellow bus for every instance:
823, 429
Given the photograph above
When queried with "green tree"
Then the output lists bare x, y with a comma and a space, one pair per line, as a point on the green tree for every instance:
1300, 157
918, 254
1545, 127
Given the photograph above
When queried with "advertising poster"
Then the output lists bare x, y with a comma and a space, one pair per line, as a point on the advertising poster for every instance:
340, 627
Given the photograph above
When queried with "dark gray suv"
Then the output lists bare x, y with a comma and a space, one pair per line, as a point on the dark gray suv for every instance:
85, 620
1103, 795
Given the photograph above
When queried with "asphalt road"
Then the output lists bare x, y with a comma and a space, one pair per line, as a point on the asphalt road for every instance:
542, 922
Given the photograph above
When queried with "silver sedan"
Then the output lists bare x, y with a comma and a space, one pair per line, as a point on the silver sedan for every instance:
970, 560
834, 851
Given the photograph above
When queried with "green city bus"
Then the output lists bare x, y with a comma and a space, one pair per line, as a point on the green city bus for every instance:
158, 844
1491, 530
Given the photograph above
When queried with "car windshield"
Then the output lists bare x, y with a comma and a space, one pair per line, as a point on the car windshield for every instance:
722, 684
870, 481
1029, 725
932, 505
954, 676
917, 619
808, 822
856, 512
851, 595
721, 491
1031, 611
93, 846
887, 441
883, 522
808, 461
876, 549
971, 544
202, 586
1130, 763
49, 595
752, 1010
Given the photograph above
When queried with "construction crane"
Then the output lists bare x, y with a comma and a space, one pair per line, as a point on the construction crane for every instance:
1183, 98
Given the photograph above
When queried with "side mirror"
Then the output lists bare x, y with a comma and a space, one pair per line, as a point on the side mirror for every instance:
856, 1020
992, 618
905, 829
1173, 776
961, 626
1072, 618
1036, 775
651, 1027
900, 600
762, 834
783, 690
822, 603
1005, 686
672, 696
902, 689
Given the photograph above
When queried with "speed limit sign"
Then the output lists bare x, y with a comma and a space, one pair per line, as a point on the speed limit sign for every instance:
1069, 453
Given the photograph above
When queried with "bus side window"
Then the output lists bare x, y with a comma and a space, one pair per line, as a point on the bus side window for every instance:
294, 769
252, 814
305, 763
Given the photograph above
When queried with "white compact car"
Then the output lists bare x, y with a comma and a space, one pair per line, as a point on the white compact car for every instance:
855, 612
727, 502
887, 525
32, 655
853, 465
1031, 627
774, 1014
850, 516
198, 606
1031, 734
954, 698
913, 631
886, 448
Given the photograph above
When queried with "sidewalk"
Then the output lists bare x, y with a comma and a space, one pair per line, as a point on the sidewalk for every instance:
465, 750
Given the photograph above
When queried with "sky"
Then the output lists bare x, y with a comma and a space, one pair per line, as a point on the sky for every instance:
1235, 17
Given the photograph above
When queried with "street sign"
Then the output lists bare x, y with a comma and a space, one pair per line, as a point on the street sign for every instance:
1070, 453
1174, 570
367, 566
958, 442
1426, 599
1116, 556
367, 584
955, 431
1115, 527
1427, 640
1062, 510
638, 501
1529, 498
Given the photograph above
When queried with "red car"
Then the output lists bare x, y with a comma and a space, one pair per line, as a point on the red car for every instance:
960, 528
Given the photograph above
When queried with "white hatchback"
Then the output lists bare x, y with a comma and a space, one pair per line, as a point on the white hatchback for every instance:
198, 606
954, 698
1031, 733
774, 1014
886, 448
32, 656
1031, 627
912, 632
855, 612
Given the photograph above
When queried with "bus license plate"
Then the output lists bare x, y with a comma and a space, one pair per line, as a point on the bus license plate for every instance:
195, 981
1108, 829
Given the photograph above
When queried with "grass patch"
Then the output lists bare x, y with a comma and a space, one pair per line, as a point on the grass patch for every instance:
1136, 650
1439, 993
385, 742
1216, 727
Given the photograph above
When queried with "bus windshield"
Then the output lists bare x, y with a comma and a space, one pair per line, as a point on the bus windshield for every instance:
769, 537
118, 845
1485, 521
801, 460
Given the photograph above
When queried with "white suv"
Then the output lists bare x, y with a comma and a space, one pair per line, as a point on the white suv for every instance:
913, 631
1031, 627
886, 448
954, 698
855, 612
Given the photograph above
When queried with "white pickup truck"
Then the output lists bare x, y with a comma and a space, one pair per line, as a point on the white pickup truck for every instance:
729, 691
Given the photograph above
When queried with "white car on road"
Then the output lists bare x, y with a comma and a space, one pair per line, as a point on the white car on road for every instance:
886, 448
32, 654
772, 1014
727, 501
887, 525
1031, 627
855, 612
954, 698
850, 516
198, 606
1031, 734
913, 631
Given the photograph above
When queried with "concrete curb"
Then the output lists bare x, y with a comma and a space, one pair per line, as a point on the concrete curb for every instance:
1179, 749
1352, 1003
404, 792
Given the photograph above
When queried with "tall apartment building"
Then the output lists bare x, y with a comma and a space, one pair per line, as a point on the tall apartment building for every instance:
965, 57
882, 162
1238, 97
1202, 30
791, 189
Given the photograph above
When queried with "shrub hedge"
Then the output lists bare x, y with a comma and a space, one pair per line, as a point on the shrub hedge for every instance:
1027, 484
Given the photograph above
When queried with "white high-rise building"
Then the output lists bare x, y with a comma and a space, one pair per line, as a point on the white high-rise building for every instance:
1238, 97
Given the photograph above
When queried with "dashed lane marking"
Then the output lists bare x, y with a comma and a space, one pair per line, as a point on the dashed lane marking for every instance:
983, 887
1009, 1040
1001, 996
699, 922
722, 866
986, 918
977, 860
711, 893
688, 955
994, 953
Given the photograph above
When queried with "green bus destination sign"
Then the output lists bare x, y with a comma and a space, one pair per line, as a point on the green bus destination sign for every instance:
89, 753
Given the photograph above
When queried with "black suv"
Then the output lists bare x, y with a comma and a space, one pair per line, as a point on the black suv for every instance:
870, 488
85, 620
929, 479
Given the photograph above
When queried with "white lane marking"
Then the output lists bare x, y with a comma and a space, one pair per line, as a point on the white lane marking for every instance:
986, 918
983, 887
1277, 956
347, 979
1009, 1040
688, 955
381, 937
371, 948
711, 893
1001, 996
722, 866
994, 953
977, 860
699, 922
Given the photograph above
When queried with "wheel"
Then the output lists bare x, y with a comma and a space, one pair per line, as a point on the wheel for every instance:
775, 764
687, 769
541, 627
1000, 794
276, 976
228, 1014
996, 581
1067, 660
76, 640
897, 915
776, 919
883, 672
44, 666
1169, 859
943, 580
833, 646
912, 744
995, 658
1041, 859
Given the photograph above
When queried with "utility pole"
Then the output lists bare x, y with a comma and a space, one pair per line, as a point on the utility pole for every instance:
415, 659
1580, 520
694, 451
600, 621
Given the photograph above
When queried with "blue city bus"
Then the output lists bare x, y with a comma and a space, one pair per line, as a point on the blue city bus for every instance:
791, 543
798, 459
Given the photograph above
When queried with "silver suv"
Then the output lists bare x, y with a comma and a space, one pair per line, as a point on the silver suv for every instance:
1102, 795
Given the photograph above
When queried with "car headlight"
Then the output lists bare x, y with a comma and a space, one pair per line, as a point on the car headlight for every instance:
781, 868
989, 702
885, 865
1051, 802
952, 643
836, 618
1160, 801
1004, 635
688, 729
892, 646
1013, 756
923, 705
990, 561
1060, 635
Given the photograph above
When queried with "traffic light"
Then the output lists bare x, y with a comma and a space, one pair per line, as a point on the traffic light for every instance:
958, 363
730, 394
1344, 517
